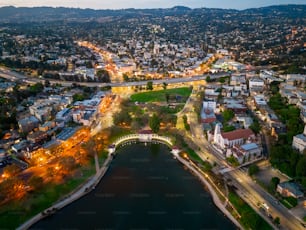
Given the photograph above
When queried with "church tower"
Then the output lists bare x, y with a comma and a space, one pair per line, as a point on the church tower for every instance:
217, 133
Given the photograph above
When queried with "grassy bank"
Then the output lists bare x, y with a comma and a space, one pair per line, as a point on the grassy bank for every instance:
249, 218
15, 213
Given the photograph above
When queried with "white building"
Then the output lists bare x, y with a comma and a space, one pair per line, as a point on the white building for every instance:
256, 84
229, 139
299, 141
245, 153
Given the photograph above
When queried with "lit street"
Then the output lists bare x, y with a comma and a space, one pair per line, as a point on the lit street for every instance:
251, 192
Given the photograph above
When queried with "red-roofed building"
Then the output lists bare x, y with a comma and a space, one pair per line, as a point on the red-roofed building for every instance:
229, 139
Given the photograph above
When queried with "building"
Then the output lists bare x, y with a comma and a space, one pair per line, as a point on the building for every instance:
145, 135
256, 84
207, 113
237, 106
245, 120
299, 141
63, 116
37, 136
21, 146
47, 126
28, 124
2, 155
245, 153
289, 189
229, 139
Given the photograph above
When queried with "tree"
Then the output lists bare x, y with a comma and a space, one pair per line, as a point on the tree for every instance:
228, 128
47, 83
36, 182
67, 163
167, 97
255, 127
301, 167
277, 220
125, 77
253, 169
103, 75
154, 123
149, 85
186, 124
78, 97
274, 182
208, 79
122, 118
228, 115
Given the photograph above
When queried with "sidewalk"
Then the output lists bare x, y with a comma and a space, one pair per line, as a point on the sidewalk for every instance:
215, 197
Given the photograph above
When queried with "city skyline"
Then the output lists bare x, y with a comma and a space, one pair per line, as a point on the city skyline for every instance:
121, 4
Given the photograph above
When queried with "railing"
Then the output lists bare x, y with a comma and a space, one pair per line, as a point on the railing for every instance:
143, 137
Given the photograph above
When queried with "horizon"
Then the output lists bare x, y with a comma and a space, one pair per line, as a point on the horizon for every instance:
149, 4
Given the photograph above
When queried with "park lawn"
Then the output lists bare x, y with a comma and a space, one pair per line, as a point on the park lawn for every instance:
16, 213
249, 218
160, 96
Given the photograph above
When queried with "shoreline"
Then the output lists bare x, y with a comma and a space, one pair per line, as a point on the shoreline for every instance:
78, 193
88, 186
215, 197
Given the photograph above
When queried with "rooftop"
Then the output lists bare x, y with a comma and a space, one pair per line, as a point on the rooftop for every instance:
238, 134
292, 187
250, 146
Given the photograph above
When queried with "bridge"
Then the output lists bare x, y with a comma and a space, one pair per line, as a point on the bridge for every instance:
144, 136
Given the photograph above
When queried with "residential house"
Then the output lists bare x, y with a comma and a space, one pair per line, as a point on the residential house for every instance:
299, 141
28, 124
37, 137
245, 153
207, 112
289, 189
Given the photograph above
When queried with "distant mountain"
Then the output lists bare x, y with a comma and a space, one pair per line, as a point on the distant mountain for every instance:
12, 14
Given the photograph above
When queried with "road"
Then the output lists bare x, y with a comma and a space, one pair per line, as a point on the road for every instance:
14, 76
248, 189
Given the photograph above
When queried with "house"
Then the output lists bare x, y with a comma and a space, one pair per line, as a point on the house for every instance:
237, 106
207, 113
245, 120
299, 141
28, 124
289, 189
256, 84
21, 146
245, 153
47, 126
63, 116
37, 136
229, 139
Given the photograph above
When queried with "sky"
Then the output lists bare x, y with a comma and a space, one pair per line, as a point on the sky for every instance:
120, 4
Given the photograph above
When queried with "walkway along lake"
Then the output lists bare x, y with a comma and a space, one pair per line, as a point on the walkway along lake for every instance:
144, 188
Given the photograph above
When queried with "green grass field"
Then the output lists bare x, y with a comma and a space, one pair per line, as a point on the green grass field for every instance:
249, 218
160, 96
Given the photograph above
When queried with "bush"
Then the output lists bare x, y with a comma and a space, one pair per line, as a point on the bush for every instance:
253, 169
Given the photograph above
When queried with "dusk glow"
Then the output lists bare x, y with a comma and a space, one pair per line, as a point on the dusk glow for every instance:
120, 4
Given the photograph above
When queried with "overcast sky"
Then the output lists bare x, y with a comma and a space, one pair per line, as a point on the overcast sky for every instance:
119, 4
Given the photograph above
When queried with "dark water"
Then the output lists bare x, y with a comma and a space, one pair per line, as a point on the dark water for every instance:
144, 188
